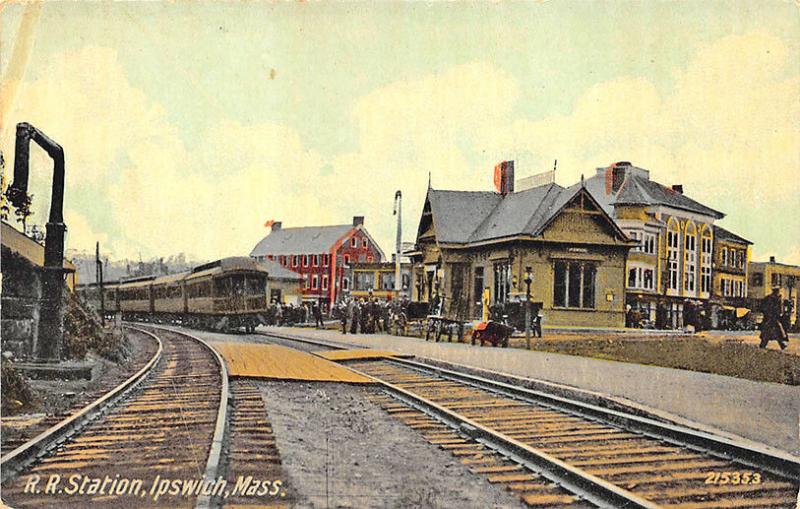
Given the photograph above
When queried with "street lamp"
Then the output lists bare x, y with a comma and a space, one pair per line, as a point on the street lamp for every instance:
528, 280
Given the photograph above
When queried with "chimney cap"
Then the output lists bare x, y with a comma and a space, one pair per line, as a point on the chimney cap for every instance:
276, 226
678, 188
772, 259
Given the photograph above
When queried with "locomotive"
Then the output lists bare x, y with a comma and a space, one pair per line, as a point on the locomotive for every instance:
223, 295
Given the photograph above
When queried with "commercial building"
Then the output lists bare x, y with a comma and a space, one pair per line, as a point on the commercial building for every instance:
377, 279
468, 242
323, 255
674, 262
765, 275
731, 263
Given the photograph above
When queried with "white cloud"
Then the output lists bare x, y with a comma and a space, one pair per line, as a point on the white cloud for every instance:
729, 129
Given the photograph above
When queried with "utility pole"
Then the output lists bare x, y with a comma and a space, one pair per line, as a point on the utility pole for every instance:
98, 263
50, 337
398, 280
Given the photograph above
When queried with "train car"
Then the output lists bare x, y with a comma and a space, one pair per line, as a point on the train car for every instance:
90, 296
226, 294
169, 296
136, 299
111, 302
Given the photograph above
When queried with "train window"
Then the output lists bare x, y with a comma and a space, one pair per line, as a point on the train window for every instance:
222, 286
255, 285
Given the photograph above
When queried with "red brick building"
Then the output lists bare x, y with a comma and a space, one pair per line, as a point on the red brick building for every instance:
321, 254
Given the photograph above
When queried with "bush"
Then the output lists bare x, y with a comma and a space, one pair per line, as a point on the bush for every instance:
16, 393
83, 332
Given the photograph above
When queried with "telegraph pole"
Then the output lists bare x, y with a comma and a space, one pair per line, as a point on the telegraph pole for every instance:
398, 280
98, 263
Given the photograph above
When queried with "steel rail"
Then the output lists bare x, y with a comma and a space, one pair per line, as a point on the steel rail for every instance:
589, 487
782, 464
748, 454
213, 468
15, 461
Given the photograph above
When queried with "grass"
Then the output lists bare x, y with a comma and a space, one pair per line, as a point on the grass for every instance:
730, 358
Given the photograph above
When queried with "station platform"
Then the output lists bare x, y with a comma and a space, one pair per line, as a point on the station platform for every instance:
278, 362
360, 354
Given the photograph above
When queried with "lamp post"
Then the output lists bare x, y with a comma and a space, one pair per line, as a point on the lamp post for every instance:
528, 280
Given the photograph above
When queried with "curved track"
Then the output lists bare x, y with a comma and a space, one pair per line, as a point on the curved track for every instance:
606, 457
165, 423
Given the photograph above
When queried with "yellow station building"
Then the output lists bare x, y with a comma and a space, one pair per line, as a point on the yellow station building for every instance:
471, 241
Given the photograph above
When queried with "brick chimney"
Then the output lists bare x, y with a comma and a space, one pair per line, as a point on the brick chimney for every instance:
504, 177
771, 259
678, 188
276, 226
358, 221
615, 176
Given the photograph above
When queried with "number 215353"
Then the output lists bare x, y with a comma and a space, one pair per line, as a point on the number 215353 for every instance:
733, 478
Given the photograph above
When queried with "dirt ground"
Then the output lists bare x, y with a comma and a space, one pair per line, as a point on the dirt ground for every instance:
342, 451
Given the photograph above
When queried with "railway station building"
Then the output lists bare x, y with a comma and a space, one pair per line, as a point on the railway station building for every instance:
322, 255
471, 245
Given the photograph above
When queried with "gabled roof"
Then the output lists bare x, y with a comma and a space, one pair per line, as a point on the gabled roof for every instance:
277, 271
303, 240
638, 190
459, 213
465, 217
723, 234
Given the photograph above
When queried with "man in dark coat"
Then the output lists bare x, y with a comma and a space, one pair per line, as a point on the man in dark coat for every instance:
317, 311
771, 326
355, 318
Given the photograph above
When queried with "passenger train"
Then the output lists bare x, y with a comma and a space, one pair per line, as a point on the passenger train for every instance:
224, 295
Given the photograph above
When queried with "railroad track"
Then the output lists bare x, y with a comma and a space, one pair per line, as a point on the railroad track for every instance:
553, 451
167, 422
19, 429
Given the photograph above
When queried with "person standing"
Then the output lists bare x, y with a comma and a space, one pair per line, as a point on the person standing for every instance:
317, 316
355, 318
771, 326
342, 308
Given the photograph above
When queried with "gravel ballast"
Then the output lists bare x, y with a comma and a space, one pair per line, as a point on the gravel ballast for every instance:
342, 451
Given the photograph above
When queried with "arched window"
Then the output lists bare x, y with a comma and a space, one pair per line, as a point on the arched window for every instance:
705, 259
673, 254
690, 258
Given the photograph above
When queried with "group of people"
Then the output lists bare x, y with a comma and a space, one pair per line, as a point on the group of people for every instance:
289, 314
367, 316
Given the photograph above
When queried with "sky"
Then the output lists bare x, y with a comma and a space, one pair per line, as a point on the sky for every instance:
187, 125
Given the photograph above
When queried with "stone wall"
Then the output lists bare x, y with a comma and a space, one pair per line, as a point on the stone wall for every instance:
20, 304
